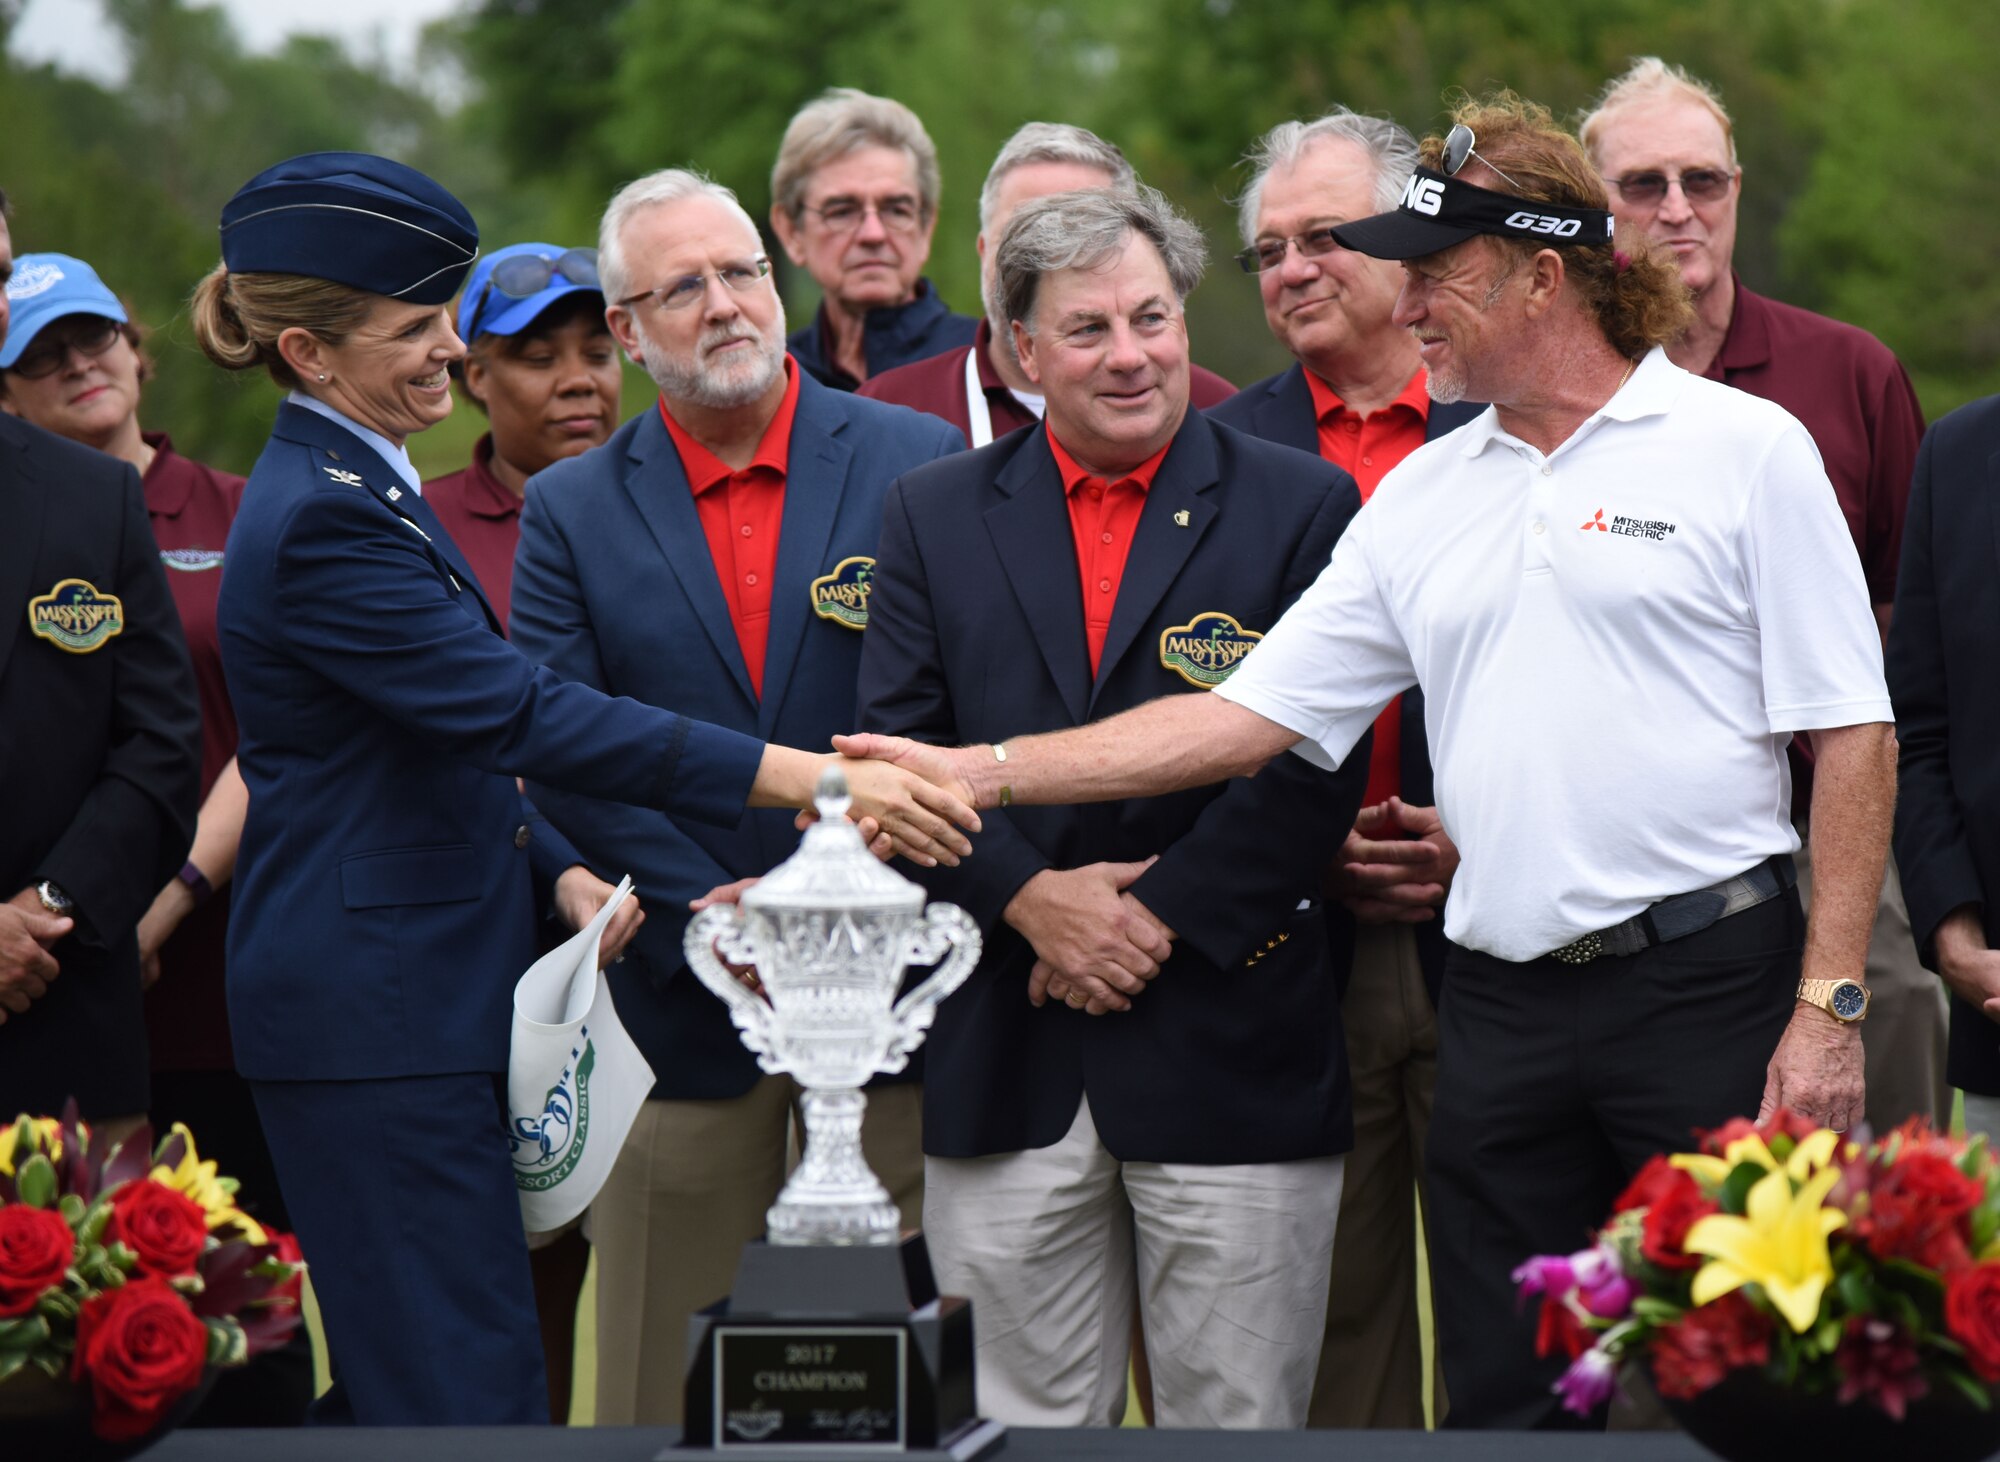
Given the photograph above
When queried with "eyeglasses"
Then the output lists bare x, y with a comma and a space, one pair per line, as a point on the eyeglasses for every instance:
1459, 144
1698, 185
90, 337
523, 276
1270, 253
842, 215
679, 294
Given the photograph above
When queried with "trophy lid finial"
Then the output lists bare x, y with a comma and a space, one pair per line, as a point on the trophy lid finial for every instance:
831, 796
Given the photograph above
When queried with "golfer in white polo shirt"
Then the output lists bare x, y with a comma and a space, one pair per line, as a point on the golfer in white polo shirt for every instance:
1623, 589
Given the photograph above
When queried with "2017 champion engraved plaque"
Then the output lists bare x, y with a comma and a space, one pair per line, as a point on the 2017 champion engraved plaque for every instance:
828, 1385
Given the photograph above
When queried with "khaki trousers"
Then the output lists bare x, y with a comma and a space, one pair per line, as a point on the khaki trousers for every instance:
1228, 1263
689, 1191
1371, 1364
1903, 1038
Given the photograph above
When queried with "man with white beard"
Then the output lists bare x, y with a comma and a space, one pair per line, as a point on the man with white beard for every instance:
718, 553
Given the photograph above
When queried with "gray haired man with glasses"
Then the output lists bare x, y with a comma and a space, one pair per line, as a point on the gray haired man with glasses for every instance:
854, 201
1667, 150
718, 552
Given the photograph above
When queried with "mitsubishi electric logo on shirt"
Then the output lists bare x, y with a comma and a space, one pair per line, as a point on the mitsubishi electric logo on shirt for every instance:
1653, 528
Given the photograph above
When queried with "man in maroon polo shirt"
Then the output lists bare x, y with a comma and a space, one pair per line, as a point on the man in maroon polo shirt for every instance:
980, 388
1358, 396
1666, 148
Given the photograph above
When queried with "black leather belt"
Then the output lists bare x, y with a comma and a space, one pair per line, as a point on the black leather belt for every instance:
1684, 914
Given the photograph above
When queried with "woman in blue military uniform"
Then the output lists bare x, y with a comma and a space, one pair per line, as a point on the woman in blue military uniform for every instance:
383, 904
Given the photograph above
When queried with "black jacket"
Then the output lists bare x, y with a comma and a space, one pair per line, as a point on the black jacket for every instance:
1944, 675
1280, 409
100, 761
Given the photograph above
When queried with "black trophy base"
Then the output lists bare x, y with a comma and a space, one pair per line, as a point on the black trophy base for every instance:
835, 1352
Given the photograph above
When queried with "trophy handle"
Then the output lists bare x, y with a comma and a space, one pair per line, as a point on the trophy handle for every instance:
945, 926
724, 925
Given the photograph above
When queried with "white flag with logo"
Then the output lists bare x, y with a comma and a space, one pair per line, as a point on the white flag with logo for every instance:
575, 1081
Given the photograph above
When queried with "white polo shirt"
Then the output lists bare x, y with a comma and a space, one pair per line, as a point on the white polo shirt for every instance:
1614, 642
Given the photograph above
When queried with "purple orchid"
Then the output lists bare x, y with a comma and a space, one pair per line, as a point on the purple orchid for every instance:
1588, 1383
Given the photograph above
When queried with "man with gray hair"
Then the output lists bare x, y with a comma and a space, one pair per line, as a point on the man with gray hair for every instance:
1357, 395
854, 201
1169, 1124
1667, 150
979, 388
729, 511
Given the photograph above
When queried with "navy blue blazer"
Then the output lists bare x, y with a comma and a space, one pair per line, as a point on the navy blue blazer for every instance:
1234, 1053
1944, 642
1280, 409
614, 586
100, 765
383, 907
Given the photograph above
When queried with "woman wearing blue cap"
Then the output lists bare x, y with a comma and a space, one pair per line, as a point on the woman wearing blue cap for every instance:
542, 367
383, 905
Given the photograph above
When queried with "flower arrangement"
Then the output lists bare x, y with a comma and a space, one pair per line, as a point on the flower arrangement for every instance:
1864, 1271
131, 1271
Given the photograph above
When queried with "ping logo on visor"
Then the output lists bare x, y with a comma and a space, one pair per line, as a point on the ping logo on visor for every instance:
1465, 205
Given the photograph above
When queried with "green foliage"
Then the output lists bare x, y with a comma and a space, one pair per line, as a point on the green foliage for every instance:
1856, 127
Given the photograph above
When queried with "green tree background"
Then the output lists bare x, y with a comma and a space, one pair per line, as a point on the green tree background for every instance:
1861, 126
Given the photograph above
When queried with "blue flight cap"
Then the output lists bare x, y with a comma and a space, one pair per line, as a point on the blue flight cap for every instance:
45, 287
353, 218
504, 299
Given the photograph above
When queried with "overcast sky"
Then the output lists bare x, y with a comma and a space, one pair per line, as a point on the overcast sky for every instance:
74, 34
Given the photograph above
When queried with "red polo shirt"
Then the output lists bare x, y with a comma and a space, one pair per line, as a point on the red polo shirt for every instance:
1103, 516
191, 507
1366, 447
741, 510
483, 516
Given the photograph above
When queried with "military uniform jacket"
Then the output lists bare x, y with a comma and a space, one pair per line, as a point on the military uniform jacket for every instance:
100, 759
614, 586
1234, 1053
383, 907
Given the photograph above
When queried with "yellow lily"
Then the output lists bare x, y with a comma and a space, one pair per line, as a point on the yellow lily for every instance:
46, 1139
1807, 1157
1779, 1243
198, 1181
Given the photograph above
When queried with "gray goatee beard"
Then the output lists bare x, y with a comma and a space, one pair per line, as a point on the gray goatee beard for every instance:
737, 384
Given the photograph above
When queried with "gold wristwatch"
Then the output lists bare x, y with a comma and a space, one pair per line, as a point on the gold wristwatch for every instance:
1845, 1000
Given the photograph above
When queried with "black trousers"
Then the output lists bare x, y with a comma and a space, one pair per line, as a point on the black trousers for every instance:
1555, 1084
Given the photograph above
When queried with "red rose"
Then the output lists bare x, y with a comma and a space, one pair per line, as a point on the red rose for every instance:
142, 1349
165, 1229
1972, 1315
1915, 1211
1663, 1239
1709, 1341
35, 1249
1647, 1185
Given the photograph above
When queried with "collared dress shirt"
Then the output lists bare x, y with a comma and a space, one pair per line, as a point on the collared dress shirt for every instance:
741, 510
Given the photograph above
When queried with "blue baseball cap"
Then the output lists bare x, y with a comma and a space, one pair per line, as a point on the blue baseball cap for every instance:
510, 288
46, 287
353, 218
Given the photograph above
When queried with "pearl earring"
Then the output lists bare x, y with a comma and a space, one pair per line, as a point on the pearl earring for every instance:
322, 375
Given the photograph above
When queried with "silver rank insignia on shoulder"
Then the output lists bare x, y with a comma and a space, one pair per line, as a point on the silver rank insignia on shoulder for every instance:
341, 475
395, 494
1181, 518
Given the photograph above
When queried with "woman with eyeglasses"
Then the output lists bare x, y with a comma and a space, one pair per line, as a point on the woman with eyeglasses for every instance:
384, 907
74, 364
542, 367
